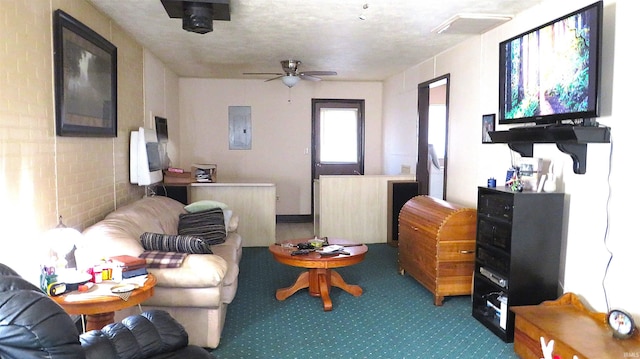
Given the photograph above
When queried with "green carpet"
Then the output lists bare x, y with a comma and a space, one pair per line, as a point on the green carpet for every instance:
394, 318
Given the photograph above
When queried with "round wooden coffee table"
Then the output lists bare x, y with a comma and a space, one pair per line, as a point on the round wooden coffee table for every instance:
320, 277
100, 311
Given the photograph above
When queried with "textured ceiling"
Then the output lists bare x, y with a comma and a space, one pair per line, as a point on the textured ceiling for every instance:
326, 35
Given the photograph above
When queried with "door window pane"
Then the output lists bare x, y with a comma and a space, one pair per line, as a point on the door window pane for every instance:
339, 135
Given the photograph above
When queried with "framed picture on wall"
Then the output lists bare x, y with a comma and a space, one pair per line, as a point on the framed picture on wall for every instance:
85, 71
488, 124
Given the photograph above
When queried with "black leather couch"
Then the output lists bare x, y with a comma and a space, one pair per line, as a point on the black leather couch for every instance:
34, 326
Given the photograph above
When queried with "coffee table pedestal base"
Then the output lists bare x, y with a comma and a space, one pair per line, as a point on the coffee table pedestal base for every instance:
98, 321
319, 281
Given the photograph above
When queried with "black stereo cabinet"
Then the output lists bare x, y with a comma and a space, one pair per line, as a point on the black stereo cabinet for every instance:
398, 193
518, 244
178, 192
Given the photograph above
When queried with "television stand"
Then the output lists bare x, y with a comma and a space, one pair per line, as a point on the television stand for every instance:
570, 139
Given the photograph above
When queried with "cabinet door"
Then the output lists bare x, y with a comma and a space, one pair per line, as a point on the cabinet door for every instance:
494, 233
496, 205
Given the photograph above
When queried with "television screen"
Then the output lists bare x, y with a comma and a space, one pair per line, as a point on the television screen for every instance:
161, 129
551, 73
153, 156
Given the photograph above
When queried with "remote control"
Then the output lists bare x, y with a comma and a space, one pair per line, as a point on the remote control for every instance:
305, 245
301, 252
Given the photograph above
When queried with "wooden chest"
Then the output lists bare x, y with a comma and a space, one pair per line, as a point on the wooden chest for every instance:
574, 329
436, 245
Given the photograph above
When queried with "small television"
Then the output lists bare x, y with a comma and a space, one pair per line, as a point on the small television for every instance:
145, 166
551, 74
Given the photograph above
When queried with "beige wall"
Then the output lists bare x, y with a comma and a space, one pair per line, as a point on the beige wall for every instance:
43, 176
161, 99
281, 131
474, 82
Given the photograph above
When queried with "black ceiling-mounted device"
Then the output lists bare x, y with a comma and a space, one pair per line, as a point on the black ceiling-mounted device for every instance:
198, 15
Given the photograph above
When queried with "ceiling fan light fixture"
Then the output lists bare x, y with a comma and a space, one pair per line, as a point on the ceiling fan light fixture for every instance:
290, 80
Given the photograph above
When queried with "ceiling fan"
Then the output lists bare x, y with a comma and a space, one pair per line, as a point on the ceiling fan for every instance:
292, 75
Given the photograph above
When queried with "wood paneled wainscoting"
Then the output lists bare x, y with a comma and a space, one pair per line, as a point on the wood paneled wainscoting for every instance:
353, 207
253, 203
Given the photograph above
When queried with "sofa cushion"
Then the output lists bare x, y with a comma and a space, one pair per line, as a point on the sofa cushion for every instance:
208, 225
197, 271
152, 214
231, 249
174, 243
204, 205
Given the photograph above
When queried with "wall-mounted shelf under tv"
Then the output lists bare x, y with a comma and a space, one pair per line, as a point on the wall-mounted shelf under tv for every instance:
569, 139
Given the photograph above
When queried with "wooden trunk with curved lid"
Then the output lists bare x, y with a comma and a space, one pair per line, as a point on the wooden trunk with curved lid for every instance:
436, 245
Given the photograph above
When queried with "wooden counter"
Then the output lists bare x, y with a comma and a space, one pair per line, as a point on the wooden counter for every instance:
253, 203
353, 207
574, 329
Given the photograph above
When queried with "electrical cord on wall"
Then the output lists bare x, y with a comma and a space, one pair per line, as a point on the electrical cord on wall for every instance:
606, 231
149, 191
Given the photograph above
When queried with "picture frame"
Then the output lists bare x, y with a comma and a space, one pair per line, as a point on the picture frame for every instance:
85, 77
488, 125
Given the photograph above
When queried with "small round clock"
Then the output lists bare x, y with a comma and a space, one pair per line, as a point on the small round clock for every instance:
621, 323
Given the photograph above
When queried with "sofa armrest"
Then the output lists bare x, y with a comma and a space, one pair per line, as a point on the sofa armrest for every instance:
105, 239
146, 335
31, 324
197, 271
232, 226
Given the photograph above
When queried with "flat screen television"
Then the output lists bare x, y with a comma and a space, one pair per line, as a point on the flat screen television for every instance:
552, 73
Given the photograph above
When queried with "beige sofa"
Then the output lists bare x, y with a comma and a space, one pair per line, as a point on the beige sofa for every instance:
197, 293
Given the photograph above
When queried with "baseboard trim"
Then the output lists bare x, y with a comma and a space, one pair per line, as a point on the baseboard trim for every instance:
294, 218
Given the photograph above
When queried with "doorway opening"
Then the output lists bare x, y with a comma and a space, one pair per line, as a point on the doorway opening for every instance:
337, 141
337, 137
433, 125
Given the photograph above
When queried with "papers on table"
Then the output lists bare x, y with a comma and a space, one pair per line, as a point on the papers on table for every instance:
104, 289
331, 249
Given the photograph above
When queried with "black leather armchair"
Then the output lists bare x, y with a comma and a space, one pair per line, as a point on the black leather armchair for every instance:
34, 326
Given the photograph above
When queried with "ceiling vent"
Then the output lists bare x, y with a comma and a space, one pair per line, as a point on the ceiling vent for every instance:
471, 23
198, 15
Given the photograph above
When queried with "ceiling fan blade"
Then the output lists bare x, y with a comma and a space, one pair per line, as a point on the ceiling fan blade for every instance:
275, 78
262, 73
305, 76
319, 73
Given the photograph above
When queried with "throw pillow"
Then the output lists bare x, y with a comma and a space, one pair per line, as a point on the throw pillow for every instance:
232, 226
208, 225
204, 205
227, 219
174, 243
